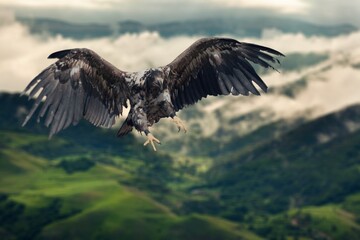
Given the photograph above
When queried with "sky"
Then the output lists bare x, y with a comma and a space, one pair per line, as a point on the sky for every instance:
317, 11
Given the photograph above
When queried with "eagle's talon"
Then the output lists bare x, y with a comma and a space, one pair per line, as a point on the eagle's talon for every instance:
151, 139
179, 123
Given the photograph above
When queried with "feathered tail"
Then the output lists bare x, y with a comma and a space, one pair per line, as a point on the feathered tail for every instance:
125, 128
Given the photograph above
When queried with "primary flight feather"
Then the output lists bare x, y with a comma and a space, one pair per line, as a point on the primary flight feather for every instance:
81, 84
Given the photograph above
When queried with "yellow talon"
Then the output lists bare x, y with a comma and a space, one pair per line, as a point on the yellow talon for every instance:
179, 123
151, 139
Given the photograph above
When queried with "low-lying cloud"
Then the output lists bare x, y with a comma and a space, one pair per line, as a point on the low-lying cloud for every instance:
289, 6
23, 56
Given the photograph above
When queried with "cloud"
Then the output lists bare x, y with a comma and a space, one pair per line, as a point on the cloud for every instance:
283, 6
319, 11
24, 55
331, 86
286, 6
114, 10
334, 12
6, 17
290, 43
87, 4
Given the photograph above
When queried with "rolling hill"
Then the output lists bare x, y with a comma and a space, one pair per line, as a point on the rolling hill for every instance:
65, 187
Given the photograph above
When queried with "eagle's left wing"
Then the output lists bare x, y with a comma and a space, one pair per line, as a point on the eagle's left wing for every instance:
217, 66
80, 84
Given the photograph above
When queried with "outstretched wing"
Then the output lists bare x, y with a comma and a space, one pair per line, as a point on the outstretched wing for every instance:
80, 84
217, 66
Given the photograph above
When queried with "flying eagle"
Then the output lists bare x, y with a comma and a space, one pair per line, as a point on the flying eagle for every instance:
81, 84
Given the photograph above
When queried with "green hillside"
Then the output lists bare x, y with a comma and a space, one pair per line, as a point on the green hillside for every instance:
315, 164
41, 199
76, 187
301, 183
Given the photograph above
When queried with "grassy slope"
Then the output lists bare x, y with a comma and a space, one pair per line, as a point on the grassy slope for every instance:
313, 222
258, 184
297, 171
91, 204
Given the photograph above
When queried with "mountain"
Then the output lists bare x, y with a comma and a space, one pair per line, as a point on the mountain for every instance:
315, 164
300, 181
247, 27
86, 183
328, 145
40, 199
240, 27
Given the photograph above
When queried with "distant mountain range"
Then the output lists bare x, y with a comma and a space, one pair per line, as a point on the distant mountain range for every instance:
240, 27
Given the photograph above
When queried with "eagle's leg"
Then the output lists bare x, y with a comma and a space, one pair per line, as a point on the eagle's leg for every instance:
139, 119
151, 139
179, 123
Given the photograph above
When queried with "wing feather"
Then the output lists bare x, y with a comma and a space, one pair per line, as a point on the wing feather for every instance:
79, 85
71, 110
217, 66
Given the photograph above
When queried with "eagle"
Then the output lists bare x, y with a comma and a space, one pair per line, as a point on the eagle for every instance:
81, 84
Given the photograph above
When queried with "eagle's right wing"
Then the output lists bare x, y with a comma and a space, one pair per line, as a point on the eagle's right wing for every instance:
217, 66
80, 84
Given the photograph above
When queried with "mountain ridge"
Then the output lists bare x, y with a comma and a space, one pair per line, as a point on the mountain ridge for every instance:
240, 27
